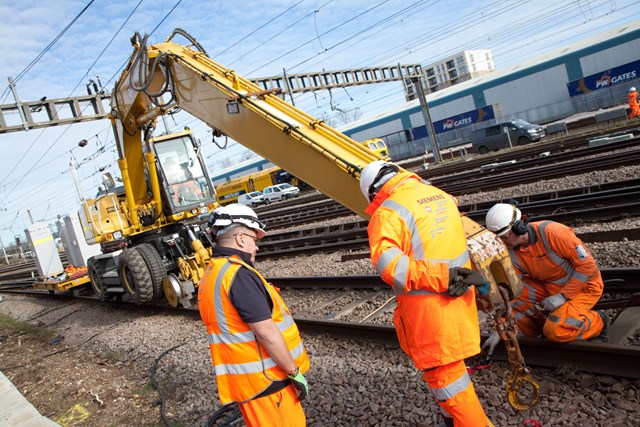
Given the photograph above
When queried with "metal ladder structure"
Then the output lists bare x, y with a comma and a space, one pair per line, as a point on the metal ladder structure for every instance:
64, 111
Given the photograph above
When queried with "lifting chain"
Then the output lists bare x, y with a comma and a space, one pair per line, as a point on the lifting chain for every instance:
520, 374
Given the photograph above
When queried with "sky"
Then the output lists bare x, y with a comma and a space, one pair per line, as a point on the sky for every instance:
55, 48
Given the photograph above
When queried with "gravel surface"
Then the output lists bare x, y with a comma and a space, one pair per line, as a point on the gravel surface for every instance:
352, 383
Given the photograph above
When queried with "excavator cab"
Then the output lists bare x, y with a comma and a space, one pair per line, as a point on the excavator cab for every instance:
184, 178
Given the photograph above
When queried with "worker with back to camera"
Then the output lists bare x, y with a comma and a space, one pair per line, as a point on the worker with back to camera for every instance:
419, 247
257, 351
633, 103
561, 282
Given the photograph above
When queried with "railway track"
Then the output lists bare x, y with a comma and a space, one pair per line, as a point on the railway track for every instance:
314, 206
327, 305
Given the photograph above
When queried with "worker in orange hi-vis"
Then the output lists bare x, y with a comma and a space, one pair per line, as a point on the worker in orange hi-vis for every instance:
256, 349
633, 103
419, 247
561, 281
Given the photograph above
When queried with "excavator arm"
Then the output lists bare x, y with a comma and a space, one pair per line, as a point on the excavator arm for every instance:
234, 106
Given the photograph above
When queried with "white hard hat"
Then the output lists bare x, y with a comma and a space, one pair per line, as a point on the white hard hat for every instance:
501, 218
633, 89
374, 176
236, 214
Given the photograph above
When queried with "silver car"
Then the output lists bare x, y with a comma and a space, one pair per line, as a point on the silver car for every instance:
253, 199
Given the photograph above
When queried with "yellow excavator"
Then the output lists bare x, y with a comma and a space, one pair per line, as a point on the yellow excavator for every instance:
153, 243
166, 186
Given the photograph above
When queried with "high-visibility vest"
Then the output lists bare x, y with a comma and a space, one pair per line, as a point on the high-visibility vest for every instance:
243, 367
416, 235
558, 257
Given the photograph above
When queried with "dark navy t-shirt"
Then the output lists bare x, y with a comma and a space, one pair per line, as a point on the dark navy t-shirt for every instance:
248, 294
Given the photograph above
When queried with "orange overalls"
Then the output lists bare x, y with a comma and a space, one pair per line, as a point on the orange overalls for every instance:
633, 103
416, 235
244, 368
557, 261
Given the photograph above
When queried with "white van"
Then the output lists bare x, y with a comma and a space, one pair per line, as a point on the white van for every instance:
274, 193
253, 199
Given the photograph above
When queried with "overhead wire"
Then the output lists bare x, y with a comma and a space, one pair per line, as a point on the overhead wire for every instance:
259, 28
41, 157
46, 49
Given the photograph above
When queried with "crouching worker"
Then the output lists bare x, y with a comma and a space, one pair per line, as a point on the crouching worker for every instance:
561, 282
257, 352
419, 247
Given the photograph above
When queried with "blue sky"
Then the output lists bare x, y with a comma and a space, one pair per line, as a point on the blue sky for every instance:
256, 39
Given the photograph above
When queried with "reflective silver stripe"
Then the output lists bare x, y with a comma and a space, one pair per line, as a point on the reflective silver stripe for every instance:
253, 367
575, 322
217, 290
446, 393
410, 222
458, 261
225, 336
400, 275
561, 262
401, 271
240, 337
386, 258
554, 319
228, 338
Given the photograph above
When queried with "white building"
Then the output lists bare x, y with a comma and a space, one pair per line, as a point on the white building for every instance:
454, 69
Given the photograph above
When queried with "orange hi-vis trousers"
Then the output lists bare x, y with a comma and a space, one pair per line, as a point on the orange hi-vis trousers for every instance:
453, 389
574, 320
279, 409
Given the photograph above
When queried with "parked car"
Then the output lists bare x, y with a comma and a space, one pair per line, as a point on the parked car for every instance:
495, 137
274, 193
253, 199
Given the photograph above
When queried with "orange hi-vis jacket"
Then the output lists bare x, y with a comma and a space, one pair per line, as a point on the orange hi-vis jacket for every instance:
557, 257
416, 235
243, 366
633, 99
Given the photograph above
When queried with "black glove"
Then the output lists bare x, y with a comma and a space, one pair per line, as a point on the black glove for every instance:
461, 278
300, 383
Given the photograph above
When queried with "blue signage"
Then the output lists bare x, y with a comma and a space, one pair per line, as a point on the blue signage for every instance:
622, 74
465, 119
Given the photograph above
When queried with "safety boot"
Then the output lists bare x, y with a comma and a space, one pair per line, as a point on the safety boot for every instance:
604, 335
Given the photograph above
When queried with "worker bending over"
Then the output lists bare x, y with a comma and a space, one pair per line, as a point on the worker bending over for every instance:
257, 352
561, 282
418, 246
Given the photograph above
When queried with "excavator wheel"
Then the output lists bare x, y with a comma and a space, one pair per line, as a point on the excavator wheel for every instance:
96, 276
155, 266
135, 276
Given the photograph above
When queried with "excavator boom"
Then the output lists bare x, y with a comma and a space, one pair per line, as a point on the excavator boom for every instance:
234, 106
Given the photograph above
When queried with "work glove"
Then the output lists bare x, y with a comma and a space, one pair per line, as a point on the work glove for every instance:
552, 302
461, 278
300, 383
491, 343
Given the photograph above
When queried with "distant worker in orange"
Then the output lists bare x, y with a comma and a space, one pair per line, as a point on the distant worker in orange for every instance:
257, 352
561, 282
633, 103
419, 247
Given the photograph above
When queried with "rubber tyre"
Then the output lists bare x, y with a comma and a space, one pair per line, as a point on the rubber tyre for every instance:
523, 140
96, 272
483, 150
267, 201
135, 276
156, 267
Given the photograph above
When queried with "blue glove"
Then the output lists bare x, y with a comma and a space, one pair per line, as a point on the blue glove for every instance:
300, 383
552, 302
484, 289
